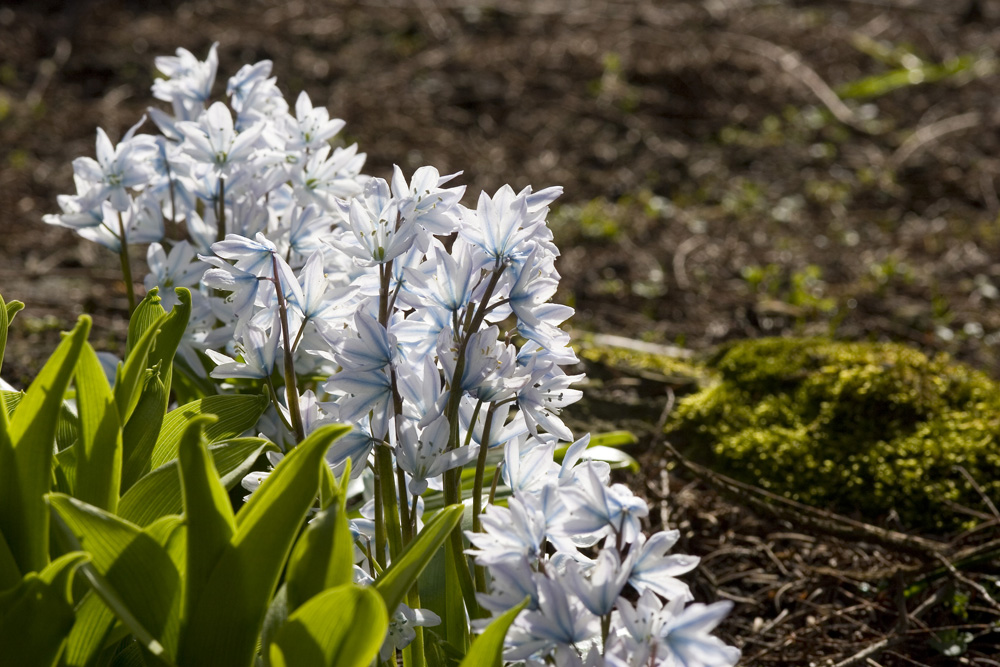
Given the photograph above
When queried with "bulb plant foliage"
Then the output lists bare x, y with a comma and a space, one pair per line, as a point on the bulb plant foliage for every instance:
382, 341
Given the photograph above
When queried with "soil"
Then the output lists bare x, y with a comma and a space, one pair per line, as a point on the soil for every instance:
716, 187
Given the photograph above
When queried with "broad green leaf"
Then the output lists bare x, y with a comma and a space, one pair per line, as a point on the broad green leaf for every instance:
4, 326
221, 627
147, 316
10, 575
142, 430
7, 312
171, 334
159, 492
133, 576
209, 515
99, 448
341, 627
26, 466
277, 614
487, 649
236, 414
131, 376
400, 576
64, 470
36, 616
324, 556
67, 428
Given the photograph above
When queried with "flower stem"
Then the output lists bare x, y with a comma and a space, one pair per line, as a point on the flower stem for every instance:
477, 491
291, 388
126, 264
220, 233
390, 508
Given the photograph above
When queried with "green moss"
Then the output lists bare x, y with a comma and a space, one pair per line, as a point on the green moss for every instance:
638, 362
855, 427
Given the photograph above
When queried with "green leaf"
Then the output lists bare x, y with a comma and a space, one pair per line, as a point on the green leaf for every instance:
400, 576
487, 650
341, 627
99, 448
159, 492
26, 455
324, 556
145, 318
131, 375
36, 616
171, 334
4, 325
10, 575
277, 614
236, 413
210, 520
222, 627
133, 576
142, 430
7, 313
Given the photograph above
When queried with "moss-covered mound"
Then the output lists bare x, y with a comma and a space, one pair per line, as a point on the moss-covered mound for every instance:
854, 427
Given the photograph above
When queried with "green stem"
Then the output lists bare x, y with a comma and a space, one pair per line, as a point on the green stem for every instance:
291, 388
273, 393
126, 264
404, 510
220, 233
390, 508
477, 490
379, 519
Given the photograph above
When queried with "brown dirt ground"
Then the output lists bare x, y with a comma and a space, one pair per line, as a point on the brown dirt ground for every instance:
714, 191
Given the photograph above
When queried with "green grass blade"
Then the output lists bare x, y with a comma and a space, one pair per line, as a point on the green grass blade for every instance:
99, 448
341, 627
26, 467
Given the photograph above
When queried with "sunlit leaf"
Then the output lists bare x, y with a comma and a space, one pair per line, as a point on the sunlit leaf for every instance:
158, 493
400, 576
487, 649
236, 414
222, 628
99, 448
341, 627
26, 455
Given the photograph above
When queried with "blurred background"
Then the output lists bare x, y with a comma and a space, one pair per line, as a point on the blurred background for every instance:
732, 168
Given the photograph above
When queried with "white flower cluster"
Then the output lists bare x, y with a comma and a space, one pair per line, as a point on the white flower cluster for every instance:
425, 324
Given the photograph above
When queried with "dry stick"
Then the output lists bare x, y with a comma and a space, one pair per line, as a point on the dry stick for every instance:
826, 521
871, 651
979, 489
930, 133
793, 64
969, 582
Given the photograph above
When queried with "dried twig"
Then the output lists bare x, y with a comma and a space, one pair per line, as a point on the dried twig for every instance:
792, 63
928, 134
819, 519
